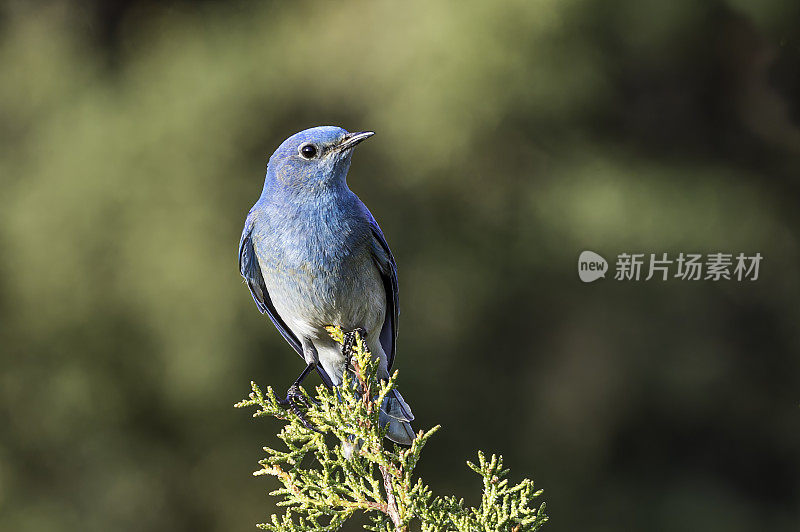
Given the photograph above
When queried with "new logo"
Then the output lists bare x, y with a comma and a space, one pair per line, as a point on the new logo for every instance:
591, 266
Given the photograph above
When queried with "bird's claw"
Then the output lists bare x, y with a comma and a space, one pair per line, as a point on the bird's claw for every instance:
295, 398
295, 394
349, 343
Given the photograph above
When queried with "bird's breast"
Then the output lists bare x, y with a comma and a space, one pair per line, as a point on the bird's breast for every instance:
319, 271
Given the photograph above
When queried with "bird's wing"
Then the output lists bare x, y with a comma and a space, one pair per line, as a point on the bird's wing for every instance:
384, 260
251, 271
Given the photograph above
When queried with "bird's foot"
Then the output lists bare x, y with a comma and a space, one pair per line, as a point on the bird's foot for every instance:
295, 395
349, 343
295, 399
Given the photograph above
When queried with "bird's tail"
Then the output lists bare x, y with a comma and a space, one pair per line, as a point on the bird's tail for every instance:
396, 415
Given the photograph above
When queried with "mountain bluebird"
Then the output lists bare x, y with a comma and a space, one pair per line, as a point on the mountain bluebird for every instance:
313, 256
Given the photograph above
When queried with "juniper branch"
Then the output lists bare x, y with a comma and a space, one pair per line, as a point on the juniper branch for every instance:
353, 470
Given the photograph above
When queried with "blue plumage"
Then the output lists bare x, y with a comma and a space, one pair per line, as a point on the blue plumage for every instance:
313, 255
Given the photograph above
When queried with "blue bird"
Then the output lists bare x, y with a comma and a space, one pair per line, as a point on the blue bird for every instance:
313, 256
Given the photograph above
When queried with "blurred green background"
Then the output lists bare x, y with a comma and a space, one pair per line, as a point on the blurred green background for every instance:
511, 136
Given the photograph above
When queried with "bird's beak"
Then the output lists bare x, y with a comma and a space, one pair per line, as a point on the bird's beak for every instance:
351, 139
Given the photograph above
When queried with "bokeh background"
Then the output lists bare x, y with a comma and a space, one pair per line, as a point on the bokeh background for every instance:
511, 136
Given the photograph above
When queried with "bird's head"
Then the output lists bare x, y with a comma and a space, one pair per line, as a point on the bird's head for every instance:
315, 158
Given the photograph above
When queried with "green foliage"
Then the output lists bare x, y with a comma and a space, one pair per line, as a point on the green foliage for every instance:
352, 471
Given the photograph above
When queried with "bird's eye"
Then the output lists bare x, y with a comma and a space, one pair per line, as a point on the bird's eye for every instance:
309, 151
